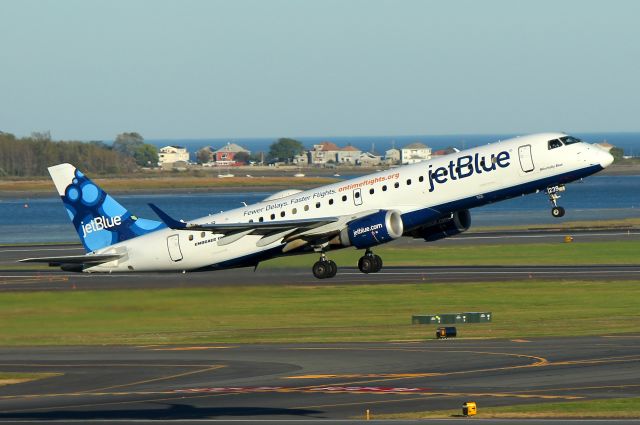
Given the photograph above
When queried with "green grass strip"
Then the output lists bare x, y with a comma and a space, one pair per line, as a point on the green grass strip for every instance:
606, 408
323, 313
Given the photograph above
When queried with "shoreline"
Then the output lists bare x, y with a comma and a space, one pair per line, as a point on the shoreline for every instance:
261, 179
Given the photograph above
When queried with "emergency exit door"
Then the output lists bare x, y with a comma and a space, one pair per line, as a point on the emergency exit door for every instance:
526, 160
173, 244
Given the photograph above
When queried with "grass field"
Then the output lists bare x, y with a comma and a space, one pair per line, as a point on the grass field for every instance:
608, 408
321, 313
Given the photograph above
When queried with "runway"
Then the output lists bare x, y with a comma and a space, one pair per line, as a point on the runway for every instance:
17, 277
304, 382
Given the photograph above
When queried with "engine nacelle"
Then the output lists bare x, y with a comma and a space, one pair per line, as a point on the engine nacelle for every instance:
374, 229
459, 222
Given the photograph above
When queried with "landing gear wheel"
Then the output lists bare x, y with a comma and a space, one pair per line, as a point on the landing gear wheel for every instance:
321, 269
333, 268
366, 264
377, 263
557, 212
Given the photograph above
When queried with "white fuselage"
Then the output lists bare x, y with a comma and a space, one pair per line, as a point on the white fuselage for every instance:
420, 192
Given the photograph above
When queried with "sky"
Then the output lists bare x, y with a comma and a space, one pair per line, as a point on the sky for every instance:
89, 70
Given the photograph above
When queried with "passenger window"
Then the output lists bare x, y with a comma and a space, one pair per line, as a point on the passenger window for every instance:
421, 179
384, 188
317, 204
261, 219
281, 213
202, 234
273, 216
371, 191
396, 185
408, 182
190, 237
331, 201
306, 207
357, 195
344, 198
555, 143
251, 221
294, 211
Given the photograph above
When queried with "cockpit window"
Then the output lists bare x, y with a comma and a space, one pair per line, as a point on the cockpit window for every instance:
555, 143
568, 140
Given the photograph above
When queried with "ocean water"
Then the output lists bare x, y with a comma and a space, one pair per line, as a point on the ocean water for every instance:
596, 197
629, 142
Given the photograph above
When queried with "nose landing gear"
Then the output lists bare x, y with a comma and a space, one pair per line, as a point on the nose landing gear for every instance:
553, 192
324, 269
369, 262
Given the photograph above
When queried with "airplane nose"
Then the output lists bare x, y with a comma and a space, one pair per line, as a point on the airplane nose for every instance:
606, 159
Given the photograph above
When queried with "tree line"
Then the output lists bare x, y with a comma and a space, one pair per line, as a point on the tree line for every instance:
30, 156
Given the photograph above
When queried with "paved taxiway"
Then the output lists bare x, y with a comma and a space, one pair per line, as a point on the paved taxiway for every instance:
13, 278
307, 382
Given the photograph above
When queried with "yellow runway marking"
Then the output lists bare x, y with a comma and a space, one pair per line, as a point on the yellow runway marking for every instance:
162, 378
520, 340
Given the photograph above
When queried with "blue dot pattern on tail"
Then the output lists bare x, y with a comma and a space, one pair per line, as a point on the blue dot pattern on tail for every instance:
98, 218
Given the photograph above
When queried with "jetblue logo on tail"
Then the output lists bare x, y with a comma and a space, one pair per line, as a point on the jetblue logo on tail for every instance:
100, 223
466, 166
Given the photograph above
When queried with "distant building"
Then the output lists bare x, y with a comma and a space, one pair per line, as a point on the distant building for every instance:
392, 156
606, 146
443, 152
302, 159
226, 154
368, 159
324, 152
348, 155
172, 154
415, 152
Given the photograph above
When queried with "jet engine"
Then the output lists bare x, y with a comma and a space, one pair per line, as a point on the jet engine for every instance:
373, 229
458, 222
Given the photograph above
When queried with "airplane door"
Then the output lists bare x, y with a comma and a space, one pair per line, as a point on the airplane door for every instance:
526, 160
173, 244
357, 196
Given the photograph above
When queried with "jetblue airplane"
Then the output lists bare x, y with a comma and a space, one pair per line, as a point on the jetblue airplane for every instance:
429, 200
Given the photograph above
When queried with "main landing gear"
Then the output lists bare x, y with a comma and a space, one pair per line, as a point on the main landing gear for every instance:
324, 269
553, 191
369, 262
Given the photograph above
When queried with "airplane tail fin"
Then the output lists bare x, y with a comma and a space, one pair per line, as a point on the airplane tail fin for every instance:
98, 218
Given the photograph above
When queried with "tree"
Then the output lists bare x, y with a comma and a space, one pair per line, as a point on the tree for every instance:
146, 155
127, 143
204, 155
241, 157
617, 153
133, 145
285, 149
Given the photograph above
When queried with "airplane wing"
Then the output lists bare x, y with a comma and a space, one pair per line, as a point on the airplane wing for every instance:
256, 228
295, 233
89, 259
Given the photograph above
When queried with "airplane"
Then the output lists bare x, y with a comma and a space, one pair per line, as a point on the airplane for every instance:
428, 200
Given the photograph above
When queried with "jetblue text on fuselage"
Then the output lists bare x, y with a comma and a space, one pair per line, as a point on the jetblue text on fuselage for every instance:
465, 166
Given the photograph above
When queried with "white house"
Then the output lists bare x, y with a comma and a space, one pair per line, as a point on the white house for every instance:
367, 159
348, 155
323, 153
415, 152
392, 156
171, 154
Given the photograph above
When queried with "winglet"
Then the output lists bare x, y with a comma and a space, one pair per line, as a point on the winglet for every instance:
170, 222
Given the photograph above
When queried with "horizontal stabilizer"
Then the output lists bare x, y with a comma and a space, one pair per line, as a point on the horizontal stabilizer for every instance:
74, 259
